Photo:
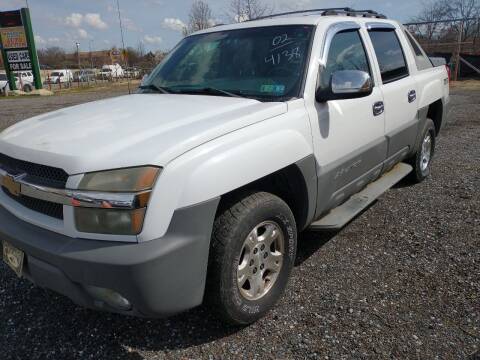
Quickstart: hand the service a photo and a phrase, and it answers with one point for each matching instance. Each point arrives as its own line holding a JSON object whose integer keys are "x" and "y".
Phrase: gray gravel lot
{"x": 401, "y": 281}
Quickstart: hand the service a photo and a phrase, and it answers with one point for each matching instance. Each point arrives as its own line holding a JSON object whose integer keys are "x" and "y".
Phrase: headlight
{"x": 109, "y": 219}
{"x": 121, "y": 180}
{"x": 111, "y": 222}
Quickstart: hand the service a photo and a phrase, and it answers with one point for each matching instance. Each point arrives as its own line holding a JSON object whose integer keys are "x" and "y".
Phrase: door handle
{"x": 412, "y": 96}
{"x": 378, "y": 108}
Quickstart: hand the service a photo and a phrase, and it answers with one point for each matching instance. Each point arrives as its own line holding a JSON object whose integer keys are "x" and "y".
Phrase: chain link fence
{"x": 457, "y": 41}
{"x": 91, "y": 77}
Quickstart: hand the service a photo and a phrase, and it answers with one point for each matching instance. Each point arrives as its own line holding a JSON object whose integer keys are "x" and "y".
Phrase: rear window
{"x": 421, "y": 59}
{"x": 3, "y": 77}
{"x": 391, "y": 58}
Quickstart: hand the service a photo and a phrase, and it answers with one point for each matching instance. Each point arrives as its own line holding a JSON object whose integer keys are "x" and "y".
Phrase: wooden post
{"x": 458, "y": 51}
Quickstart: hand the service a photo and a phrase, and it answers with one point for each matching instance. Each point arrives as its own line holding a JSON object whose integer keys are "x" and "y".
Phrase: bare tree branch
{"x": 432, "y": 11}
{"x": 464, "y": 9}
{"x": 199, "y": 18}
{"x": 243, "y": 10}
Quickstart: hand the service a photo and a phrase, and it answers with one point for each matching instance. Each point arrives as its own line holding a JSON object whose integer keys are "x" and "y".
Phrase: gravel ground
{"x": 401, "y": 281}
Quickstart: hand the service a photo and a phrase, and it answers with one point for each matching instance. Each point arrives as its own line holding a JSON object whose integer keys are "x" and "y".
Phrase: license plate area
{"x": 13, "y": 257}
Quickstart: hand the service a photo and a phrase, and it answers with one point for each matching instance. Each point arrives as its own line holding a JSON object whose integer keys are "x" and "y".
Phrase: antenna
{"x": 123, "y": 42}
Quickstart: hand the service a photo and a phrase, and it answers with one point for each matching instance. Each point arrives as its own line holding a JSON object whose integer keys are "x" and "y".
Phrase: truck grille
{"x": 41, "y": 206}
{"x": 36, "y": 173}
{"x": 39, "y": 175}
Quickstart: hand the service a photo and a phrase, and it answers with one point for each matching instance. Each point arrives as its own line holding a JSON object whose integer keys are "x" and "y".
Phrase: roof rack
{"x": 345, "y": 11}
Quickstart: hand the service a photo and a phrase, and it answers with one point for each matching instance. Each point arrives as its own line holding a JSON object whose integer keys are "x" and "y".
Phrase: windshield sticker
{"x": 273, "y": 89}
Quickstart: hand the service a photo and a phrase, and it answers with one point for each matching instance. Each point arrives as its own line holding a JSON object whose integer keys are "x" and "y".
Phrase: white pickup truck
{"x": 194, "y": 189}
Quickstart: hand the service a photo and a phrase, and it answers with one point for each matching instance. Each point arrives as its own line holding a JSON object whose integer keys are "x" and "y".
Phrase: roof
{"x": 307, "y": 17}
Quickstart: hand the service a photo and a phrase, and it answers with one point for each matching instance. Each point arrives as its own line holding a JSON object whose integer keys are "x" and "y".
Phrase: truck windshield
{"x": 264, "y": 63}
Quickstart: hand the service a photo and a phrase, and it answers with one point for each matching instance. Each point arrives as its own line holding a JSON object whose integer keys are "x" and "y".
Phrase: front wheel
{"x": 252, "y": 254}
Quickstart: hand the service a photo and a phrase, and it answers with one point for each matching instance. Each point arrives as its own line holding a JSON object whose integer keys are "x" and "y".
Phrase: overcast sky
{"x": 156, "y": 23}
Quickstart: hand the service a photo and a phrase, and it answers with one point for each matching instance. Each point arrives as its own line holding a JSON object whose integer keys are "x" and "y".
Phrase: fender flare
{"x": 223, "y": 165}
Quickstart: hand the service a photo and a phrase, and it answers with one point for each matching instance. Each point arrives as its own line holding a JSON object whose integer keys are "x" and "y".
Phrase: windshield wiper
{"x": 210, "y": 90}
{"x": 155, "y": 88}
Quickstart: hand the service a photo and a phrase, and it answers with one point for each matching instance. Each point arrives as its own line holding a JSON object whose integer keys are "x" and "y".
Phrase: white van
{"x": 60, "y": 76}
{"x": 111, "y": 71}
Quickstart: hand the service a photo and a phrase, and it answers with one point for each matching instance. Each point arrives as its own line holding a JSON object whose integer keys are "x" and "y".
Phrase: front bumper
{"x": 159, "y": 277}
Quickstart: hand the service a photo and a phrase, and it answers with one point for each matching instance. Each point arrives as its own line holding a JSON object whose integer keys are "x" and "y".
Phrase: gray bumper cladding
{"x": 159, "y": 277}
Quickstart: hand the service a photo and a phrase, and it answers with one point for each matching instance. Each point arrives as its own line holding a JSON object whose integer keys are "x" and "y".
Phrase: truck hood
{"x": 132, "y": 130}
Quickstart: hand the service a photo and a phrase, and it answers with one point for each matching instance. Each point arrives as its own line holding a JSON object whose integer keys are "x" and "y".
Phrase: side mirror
{"x": 346, "y": 84}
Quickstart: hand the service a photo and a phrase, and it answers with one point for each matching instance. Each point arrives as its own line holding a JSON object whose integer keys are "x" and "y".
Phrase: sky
{"x": 156, "y": 24}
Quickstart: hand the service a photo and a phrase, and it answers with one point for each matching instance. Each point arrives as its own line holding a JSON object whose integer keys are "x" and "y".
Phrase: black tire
{"x": 235, "y": 221}
{"x": 420, "y": 172}
{"x": 27, "y": 88}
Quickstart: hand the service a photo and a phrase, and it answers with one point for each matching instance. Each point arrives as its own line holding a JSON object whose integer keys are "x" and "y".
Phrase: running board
{"x": 343, "y": 214}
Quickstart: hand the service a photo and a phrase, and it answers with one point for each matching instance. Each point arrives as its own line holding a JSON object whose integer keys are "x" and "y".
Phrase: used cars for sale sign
{"x": 19, "y": 60}
{"x": 17, "y": 44}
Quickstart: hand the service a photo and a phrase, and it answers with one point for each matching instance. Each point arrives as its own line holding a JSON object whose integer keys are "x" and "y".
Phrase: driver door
{"x": 349, "y": 141}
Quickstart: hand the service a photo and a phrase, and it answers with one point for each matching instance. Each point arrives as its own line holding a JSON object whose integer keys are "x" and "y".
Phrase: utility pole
{"x": 90, "y": 52}
{"x": 78, "y": 54}
{"x": 123, "y": 42}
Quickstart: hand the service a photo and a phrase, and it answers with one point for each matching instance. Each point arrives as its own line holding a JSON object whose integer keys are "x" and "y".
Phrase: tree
{"x": 141, "y": 48}
{"x": 464, "y": 9}
{"x": 432, "y": 11}
{"x": 53, "y": 56}
{"x": 448, "y": 10}
{"x": 199, "y": 18}
{"x": 132, "y": 55}
{"x": 243, "y": 10}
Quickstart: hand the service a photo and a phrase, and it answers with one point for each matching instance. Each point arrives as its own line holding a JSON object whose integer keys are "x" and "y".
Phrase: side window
{"x": 391, "y": 58}
{"x": 421, "y": 59}
{"x": 346, "y": 53}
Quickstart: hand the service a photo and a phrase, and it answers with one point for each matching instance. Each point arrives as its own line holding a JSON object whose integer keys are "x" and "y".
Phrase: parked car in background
{"x": 23, "y": 85}
{"x": 24, "y": 80}
{"x": 60, "y": 77}
{"x": 132, "y": 73}
{"x": 25, "y": 76}
{"x": 3, "y": 82}
{"x": 111, "y": 72}
{"x": 84, "y": 76}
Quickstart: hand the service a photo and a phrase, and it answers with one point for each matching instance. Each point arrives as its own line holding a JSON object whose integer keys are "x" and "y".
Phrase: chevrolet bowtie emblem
{"x": 11, "y": 183}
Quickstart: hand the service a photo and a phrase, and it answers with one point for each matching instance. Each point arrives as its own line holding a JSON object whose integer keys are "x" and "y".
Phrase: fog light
{"x": 109, "y": 297}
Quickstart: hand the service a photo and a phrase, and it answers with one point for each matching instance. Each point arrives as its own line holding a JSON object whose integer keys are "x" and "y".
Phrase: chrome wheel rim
{"x": 261, "y": 260}
{"x": 426, "y": 152}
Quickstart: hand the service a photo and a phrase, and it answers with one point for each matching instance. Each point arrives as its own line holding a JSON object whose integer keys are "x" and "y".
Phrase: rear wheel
{"x": 422, "y": 159}
{"x": 252, "y": 254}
{"x": 27, "y": 88}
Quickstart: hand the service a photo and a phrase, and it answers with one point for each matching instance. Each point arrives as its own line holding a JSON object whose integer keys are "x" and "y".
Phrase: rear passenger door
{"x": 399, "y": 91}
